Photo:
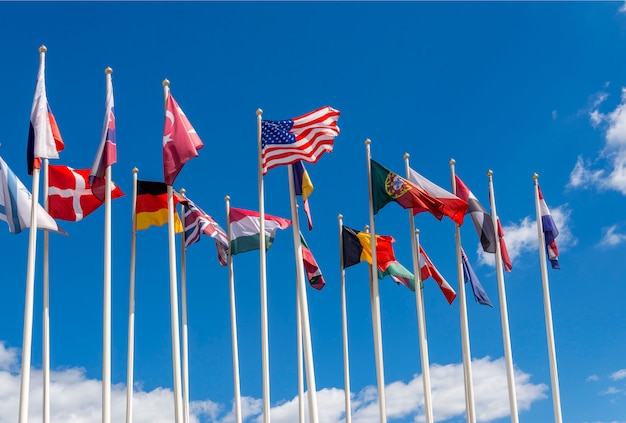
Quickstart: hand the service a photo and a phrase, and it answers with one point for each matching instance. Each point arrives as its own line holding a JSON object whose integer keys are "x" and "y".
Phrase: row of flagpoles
{"x": 280, "y": 143}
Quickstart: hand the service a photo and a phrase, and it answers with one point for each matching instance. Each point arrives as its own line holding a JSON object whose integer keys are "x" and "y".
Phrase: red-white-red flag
{"x": 180, "y": 141}
{"x": 429, "y": 270}
{"x": 69, "y": 194}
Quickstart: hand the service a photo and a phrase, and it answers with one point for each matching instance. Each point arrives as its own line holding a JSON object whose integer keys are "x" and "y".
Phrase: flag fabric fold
{"x": 428, "y": 270}
{"x": 483, "y": 224}
{"x": 453, "y": 206}
{"x": 305, "y": 138}
{"x": 44, "y": 138}
{"x": 480, "y": 295}
{"x": 550, "y": 232}
{"x": 15, "y": 204}
{"x": 388, "y": 186}
{"x": 245, "y": 229}
{"x": 197, "y": 222}
{"x": 313, "y": 272}
{"x": 69, "y": 193}
{"x": 180, "y": 141}
{"x": 107, "y": 150}
{"x": 304, "y": 188}
{"x": 151, "y": 206}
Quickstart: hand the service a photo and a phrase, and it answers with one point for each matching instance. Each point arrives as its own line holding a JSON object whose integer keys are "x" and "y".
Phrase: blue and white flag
{"x": 550, "y": 232}
{"x": 479, "y": 292}
{"x": 15, "y": 204}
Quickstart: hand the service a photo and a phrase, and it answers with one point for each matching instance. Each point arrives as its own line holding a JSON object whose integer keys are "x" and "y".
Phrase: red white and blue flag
{"x": 44, "y": 138}
{"x": 198, "y": 222}
{"x": 550, "y": 232}
{"x": 303, "y": 138}
{"x": 107, "y": 150}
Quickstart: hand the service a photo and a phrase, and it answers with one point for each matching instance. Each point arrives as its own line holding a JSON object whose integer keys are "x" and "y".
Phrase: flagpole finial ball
{"x": 417, "y": 232}
{"x": 489, "y": 172}
{"x": 166, "y": 82}
{"x": 183, "y": 191}
{"x": 108, "y": 71}
{"x": 135, "y": 170}
{"x": 227, "y": 198}
{"x": 259, "y": 111}
{"x": 535, "y": 176}
{"x": 340, "y": 216}
{"x": 452, "y": 161}
{"x": 43, "y": 49}
{"x": 406, "y": 156}
{"x": 366, "y": 228}
{"x": 368, "y": 141}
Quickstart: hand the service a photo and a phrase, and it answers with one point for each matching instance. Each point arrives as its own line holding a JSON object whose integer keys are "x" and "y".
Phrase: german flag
{"x": 152, "y": 205}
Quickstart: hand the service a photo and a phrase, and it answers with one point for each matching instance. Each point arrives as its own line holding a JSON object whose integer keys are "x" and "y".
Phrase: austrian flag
{"x": 69, "y": 193}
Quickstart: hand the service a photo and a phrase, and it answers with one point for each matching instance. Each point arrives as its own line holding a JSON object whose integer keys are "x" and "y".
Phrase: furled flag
{"x": 428, "y": 269}
{"x": 479, "y": 292}
{"x": 313, "y": 272}
{"x": 304, "y": 187}
{"x": 388, "y": 186}
{"x": 304, "y": 138}
{"x": 15, "y": 204}
{"x": 151, "y": 206}
{"x": 550, "y": 232}
{"x": 453, "y": 206}
{"x": 483, "y": 224}
{"x": 245, "y": 229}
{"x": 180, "y": 141}
{"x": 44, "y": 138}
{"x": 69, "y": 194}
{"x": 198, "y": 222}
{"x": 107, "y": 150}
{"x": 357, "y": 247}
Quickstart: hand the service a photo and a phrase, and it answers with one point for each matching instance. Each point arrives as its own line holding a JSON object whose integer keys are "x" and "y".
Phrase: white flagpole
{"x": 504, "y": 314}
{"x": 265, "y": 359}
{"x": 46, "y": 305}
{"x": 233, "y": 319}
{"x": 303, "y": 305}
{"x": 130, "y": 361}
{"x": 421, "y": 316}
{"x": 106, "y": 324}
{"x": 344, "y": 326}
{"x": 178, "y": 400}
{"x": 547, "y": 308}
{"x": 465, "y": 343}
{"x": 301, "y": 418}
{"x": 375, "y": 300}
{"x": 185, "y": 338}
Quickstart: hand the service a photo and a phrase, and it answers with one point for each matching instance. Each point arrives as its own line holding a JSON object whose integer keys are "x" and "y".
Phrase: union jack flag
{"x": 198, "y": 222}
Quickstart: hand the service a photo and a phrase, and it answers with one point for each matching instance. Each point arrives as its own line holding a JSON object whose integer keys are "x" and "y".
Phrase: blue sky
{"x": 516, "y": 87}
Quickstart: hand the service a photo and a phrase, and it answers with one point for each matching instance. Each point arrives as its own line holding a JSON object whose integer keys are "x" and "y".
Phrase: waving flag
{"x": 245, "y": 229}
{"x": 313, "y": 272}
{"x": 304, "y": 138}
{"x": 180, "y": 141}
{"x": 483, "y": 224}
{"x": 69, "y": 193}
{"x": 107, "y": 150}
{"x": 198, "y": 222}
{"x": 468, "y": 273}
{"x": 304, "y": 188}
{"x": 550, "y": 232}
{"x": 428, "y": 270}
{"x": 152, "y": 205}
{"x": 44, "y": 138}
{"x": 453, "y": 206}
{"x": 15, "y": 204}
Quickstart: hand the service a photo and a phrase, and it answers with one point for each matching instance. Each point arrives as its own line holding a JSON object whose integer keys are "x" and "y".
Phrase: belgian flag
{"x": 152, "y": 205}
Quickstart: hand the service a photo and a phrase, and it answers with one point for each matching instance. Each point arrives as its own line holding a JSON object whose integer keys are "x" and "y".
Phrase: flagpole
{"x": 46, "y": 305}
{"x": 106, "y": 331}
{"x": 504, "y": 315}
{"x": 344, "y": 326}
{"x": 375, "y": 300}
{"x": 265, "y": 359}
{"x": 547, "y": 308}
{"x": 465, "y": 343}
{"x": 421, "y": 317}
{"x": 303, "y": 305}
{"x": 178, "y": 401}
{"x": 185, "y": 339}
{"x": 27, "y": 336}
{"x": 301, "y": 418}
{"x": 233, "y": 319}
{"x": 130, "y": 361}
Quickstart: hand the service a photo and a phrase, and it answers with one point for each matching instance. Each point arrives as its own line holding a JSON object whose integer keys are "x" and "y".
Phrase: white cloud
{"x": 522, "y": 237}
{"x": 610, "y": 391}
{"x": 77, "y": 399}
{"x": 592, "y": 378}
{"x": 622, "y": 9}
{"x": 555, "y": 114}
{"x": 610, "y": 239}
{"x": 620, "y": 374}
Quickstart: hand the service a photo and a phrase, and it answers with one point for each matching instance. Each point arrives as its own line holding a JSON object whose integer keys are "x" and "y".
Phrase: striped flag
{"x": 428, "y": 270}
{"x": 151, "y": 205}
{"x": 313, "y": 272}
{"x": 198, "y": 222}
{"x": 469, "y": 275}
{"x": 453, "y": 206}
{"x": 304, "y": 188}
{"x": 550, "y": 232}
{"x": 303, "y": 138}
{"x": 245, "y": 229}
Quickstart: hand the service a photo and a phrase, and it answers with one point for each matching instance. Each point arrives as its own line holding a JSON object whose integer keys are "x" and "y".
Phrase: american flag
{"x": 303, "y": 138}
{"x": 198, "y": 222}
